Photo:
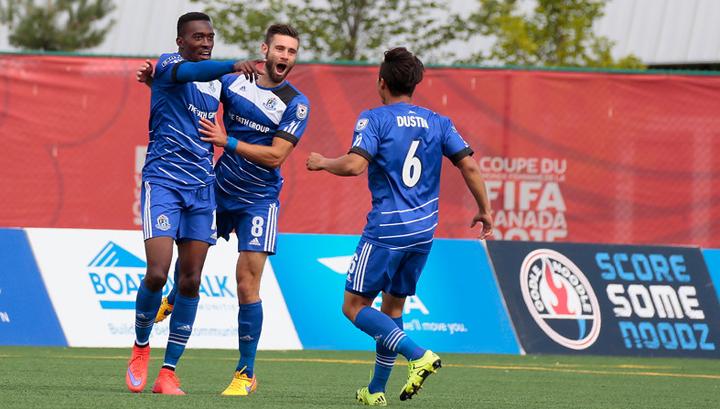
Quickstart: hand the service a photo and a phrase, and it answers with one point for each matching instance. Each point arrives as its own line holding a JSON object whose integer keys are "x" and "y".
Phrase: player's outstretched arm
{"x": 350, "y": 164}
{"x": 208, "y": 70}
{"x": 203, "y": 70}
{"x": 269, "y": 156}
{"x": 476, "y": 184}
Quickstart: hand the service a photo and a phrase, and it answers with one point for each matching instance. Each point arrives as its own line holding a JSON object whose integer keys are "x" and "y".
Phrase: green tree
{"x": 555, "y": 33}
{"x": 339, "y": 29}
{"x": 56, "y": 25}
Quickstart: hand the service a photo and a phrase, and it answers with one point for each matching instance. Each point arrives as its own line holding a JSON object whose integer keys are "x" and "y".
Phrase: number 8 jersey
{"x": 405, "y": 145}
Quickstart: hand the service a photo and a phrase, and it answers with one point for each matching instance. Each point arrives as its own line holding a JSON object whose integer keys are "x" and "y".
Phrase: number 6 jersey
{"x": 405, "y": 145}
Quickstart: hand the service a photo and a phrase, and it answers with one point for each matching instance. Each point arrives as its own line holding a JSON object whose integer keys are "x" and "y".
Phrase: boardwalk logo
{"x": 115, "y": 275}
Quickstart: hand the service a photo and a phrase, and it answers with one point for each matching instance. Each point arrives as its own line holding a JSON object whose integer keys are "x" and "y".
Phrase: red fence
{"x": 588, "y": 157}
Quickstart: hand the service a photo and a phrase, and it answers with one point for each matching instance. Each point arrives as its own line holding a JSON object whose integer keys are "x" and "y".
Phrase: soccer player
{"x": 178, "y": 199}
{"x": 401, "y": 145}
{"x": 264, "y": 120}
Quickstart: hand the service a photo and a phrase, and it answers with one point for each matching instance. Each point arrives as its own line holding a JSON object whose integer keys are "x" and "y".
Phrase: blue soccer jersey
{"x": 405, "y": 145}
{"x": 256, "y": 115}
{"x": 176, "y": 156}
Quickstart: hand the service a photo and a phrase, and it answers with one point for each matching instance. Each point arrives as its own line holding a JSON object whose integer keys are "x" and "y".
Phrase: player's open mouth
{"x": 280, "y": 68}
{"x": 205, "y": 54}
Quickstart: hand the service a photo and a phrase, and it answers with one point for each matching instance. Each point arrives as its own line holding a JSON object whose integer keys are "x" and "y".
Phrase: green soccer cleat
{"x": 165, "y": 310}
{"x": 418, "y": 370}
{"x": 364, "y": 396}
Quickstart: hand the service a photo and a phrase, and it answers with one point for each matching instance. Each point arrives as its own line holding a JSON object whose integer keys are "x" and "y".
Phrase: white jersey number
{"x": 412, "y": 168}
{"x": 257, "y": 226}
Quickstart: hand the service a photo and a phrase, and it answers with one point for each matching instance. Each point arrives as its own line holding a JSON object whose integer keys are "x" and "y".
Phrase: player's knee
{"x": 247, "y": 291}
{"x": 190, "y": 284}
{"x": 155, "y": 279}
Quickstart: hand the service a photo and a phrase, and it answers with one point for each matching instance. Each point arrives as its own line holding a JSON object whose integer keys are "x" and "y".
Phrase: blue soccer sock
{"x": 173, "y": 291}
{"x": 250, "y": 318}
{"x": 181, "y": 323}
{"x": 383, "y": 329}
{"x": 384, "y": 361}
{"x": 147, "y": 304}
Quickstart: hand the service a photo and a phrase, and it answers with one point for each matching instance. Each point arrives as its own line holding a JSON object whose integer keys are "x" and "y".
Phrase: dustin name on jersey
{"x": 412, "y": 121}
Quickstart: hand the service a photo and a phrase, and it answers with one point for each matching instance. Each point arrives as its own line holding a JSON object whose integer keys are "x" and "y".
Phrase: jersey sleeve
{"x": 366, "y": 136}
{"x": 294, "y": 120}
{"x": 164, "y": 68}
{"x": 454, "y": 146}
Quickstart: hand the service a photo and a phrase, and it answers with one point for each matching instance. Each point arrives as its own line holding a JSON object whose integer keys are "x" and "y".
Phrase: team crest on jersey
{"x": 302, "y": 111}
{"x": 271, "y": 104}
{"x": 361, "y": 124}
{"x": 163, "y": 223}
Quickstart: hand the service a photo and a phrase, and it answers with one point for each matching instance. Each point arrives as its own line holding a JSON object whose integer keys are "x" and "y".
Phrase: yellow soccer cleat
{"x": 165, "y": 310}
{"x": 364, "y": 396}
{"x": 241, "y": 385}
{"x": 418, "y": 370}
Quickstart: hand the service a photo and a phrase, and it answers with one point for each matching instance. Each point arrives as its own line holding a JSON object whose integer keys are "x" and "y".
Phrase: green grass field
{"x": 94, "y": 378}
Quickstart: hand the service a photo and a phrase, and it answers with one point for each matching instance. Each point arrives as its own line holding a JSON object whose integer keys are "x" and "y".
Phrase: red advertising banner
{"x": 568, "y": 156}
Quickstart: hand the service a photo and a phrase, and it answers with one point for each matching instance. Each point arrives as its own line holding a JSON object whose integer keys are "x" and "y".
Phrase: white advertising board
{"x": 92, "y": 277}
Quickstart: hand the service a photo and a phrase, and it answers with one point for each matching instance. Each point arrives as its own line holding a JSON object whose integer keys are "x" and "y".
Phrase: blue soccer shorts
{"x": 254, "y": 224}
{"x": 182, "y": 214}
{"x": 374, "y": 269}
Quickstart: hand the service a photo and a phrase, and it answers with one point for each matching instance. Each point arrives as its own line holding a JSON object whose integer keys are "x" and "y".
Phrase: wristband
{"x": 232, "y": 144}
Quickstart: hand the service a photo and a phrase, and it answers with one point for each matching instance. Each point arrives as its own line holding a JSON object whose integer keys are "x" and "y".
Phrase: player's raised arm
{"x": 208, "y": 70}
{"x": 476, "y": 184}
{"x": 202, "y": 70}
{"x": 350, "y": 164}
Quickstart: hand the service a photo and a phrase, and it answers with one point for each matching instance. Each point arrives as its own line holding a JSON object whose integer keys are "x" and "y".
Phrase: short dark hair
{"x": 401, "y": 70}
{"x": 188, "y": 17}
{"x": 282, "y": 29}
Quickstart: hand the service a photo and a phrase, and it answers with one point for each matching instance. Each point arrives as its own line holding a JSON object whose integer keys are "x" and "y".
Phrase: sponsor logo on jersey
{"x": 254, "y": 242}
{"x": 172, "y": 60}
{"x": 163, "y": 223}
{"x": 301, "y": 112}
{"x": 200, "y": 113}
{"x": 250, "y": 124}
{"x": 560, "y": 299}
{"x": 271, "y": 104}
{"x": 361, "y": 124}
